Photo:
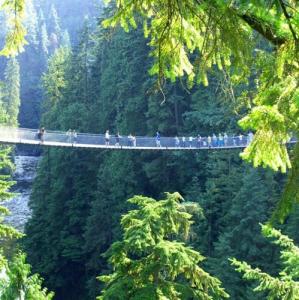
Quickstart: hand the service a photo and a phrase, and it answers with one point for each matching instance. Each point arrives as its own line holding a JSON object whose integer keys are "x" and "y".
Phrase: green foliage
{"x": 19, "y": 284}
{"x": 54, "y": 82}
{"x": 106, "y": 86}
{"x": 240, "y": 235}
{"x": 178, "y": 29}
{"x": 15, "y": 38}
{"x": 31, "y": 23}
{"x": 189, "y": 38}
{"x": 286, "y": 285}
{"x": 149, "y": 263}
{"x": 11, "y": 98}
{"x": 54, "y": 29}
{"x": 5, "y": 184}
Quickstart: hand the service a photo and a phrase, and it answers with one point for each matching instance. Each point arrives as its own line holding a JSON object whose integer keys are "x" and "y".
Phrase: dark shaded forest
{"x": 76, "y": 74}
{"x": 79, "y": 195}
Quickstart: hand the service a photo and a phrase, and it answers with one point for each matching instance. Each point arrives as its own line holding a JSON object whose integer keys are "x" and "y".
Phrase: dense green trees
{"x": 20, "y": 284}
{"x": 11, "y": 99}
{"x": 102, "y": 84}
{"x": 15, "y": 35}
{"x": 178, "y": 30}
{"x": 16, "y": 282}
{"x": 151, "y": 262}
{"x": 286, "y": 285}
{"x": 240, "y": 233}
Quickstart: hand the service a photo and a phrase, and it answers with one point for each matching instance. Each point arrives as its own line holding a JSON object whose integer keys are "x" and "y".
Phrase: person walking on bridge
{"x": 220, "y": 140}
{"x": 134, "y": 141}
{"x": 184, "y": 141}
{"x": 199, "y": 141}
{"x": 69, "y": 135}
{"x": 177, "y": 141}
{"x": 107, "y": 138}
{"x": 158, "y": 139}
{"x": 75, "y": 136}
{"x": 130, "y": 140}
{"x": 209, "y": 141}
{"x": 40, "y": 134}
{"x": 117, "y": 139}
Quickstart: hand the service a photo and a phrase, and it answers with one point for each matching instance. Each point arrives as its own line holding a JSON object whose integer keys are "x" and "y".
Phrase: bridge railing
{"x": 84, "y": 139}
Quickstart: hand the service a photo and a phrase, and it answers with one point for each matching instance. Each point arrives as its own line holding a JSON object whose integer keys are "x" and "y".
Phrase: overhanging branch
{"x": 263, "y": 29}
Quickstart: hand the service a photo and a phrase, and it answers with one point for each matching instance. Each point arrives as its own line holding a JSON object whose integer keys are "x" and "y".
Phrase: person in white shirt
{"x": 107, "y": 138}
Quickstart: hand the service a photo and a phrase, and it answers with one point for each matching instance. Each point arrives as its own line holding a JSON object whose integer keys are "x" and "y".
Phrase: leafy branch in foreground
{"x": 20, "y": 284}
{"x": 149, "y": 263}
{"x": 15, "y": 37}
{"x": 189, "y": 38}
{"x": 286, "y": 286}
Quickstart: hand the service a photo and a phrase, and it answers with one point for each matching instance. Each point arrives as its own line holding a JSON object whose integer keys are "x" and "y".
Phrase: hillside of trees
{"x": 49, "y": 24}
{"x": 84, "y": 238}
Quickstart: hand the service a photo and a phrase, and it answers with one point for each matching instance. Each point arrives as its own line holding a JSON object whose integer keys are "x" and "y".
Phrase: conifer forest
{"x": 204, "y": 219}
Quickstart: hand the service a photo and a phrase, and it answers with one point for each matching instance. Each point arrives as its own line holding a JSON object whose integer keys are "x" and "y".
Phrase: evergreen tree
{"x": 223, "y": 181}
{"x": 31, "y": 23}
{"x": 149, "y": 263}
{"x": 54, "y": 83}
{"x": 240, "y": 236}
{"x": 103, "y": 84}
{"x": 16, "y": 280}
{"x": 286, "y": 285}
{"x": 12, "y": 91}
{"x": 103, "y": 223}
{"x": 6, "y": 231}
{"x": 65, "y": 39}
{"x": 191, "y": 28}
{"x": 58, "y": 254}
{"x": 54, "y": 28}
{"x": 20, "y": 284}
{"x": 292, "y": 225}
{"x": 43, "y": 38}
{"x": 15, "y": 31}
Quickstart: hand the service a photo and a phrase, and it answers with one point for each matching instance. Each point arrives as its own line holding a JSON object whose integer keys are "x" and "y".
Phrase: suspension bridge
{"x": 86, "y": 140}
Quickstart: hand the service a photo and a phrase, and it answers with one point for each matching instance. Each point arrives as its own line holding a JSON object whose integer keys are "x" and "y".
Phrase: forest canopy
{"x": 253, "y": 42}
{"x": 95, "y": 83}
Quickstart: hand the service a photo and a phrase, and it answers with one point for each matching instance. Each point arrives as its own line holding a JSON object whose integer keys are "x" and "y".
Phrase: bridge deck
{"x": 83, "y": 140}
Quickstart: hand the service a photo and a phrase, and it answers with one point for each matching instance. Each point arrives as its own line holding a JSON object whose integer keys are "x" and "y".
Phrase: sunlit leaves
{"x": 15, "y": 38}
{"x": 268, "y": 147}
{"x": 177, "y": 29}
{"x": 54, "y": 79}
{"x": 20, "y": 284}
{"x": 189, "y": 38}
{"x": 150, "y": 264}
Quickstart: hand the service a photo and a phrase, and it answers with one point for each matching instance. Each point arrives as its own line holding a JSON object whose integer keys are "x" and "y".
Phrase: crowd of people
{"x": 214, "y": 141}
{"x": 211, "y": 141}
